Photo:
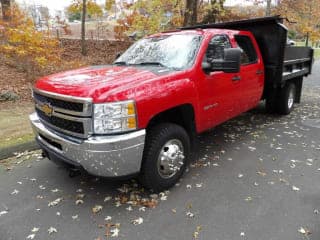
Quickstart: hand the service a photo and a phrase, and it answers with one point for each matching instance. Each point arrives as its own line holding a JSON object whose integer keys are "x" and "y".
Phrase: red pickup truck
{"x": 140, "y": 115}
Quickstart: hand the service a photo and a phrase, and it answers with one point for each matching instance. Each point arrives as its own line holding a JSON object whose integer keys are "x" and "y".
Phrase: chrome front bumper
{"x": 106, "y": 156}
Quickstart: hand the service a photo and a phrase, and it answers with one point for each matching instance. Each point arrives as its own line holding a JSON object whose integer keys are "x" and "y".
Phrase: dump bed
{"x": 282, "y": 62}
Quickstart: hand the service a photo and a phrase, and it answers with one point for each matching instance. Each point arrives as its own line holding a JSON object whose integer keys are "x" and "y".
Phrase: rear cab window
{"x": 249, "y": 54}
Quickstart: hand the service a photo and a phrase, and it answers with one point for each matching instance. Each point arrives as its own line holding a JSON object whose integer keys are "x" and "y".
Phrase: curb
{"x": 9, "y": 151}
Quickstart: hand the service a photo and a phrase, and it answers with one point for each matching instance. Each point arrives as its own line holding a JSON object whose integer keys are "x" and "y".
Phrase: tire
{"x": 163, "y": 140}
{"x": 287, "y": 99}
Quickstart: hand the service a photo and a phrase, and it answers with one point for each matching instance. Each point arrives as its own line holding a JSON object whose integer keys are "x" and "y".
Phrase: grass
{"x": 316, "y": 50}
{"x": 15, "y": 127}
{"x": 317, "y": 53}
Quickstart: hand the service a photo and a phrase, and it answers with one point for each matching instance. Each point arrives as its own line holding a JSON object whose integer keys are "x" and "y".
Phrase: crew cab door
{"x": 251, "y": 72}
{"x": 218, "y": 90}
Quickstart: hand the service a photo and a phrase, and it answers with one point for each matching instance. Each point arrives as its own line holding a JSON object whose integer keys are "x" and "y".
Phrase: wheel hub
{"x": 171, "y": 158}
{"x": 290, "y": 99}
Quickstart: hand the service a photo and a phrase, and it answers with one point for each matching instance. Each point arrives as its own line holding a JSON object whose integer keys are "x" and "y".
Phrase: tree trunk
{"x": 190, "y": 14}
{"x": 5, "y": 5}
{"x": 268, "y": 10}
{"x": 213, "y": 12}
{"x": 83, "y": 28}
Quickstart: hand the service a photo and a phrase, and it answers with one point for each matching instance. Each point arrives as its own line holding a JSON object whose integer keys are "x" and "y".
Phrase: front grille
{"x": 64, "y": 124}
{"x": 71, "y": 106}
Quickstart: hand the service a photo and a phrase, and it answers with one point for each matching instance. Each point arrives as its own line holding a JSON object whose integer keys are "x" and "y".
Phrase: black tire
{"x": 287, "y": 99}
{"x": 152, "y": 175}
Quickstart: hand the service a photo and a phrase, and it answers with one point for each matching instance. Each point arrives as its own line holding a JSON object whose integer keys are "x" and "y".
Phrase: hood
{"x": 97, "y": 80}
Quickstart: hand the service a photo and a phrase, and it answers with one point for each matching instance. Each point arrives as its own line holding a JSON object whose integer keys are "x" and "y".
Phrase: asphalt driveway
{"x": 257, "y": 178}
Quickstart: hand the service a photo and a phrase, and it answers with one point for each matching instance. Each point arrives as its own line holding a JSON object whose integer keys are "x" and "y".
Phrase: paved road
{"x": 257, "y": 178}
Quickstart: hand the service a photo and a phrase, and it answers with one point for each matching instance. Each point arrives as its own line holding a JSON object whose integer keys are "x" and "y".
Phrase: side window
{"x": 216, "y": 47}
{"x": 249, "y": 55}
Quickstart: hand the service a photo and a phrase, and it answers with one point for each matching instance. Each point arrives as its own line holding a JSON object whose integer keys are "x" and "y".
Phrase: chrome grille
{"x": 67, "y": 114}
{"x": 72, "y": 106}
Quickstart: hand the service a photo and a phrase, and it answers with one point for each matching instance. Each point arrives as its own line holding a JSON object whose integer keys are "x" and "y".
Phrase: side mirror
{"x": 206, "y": 66}
{"x": 230, "y": 63}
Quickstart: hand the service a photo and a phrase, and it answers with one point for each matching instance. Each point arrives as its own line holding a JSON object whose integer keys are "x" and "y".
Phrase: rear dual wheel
{"x": 165, "y": 157}
{"x": 287, "y": 99}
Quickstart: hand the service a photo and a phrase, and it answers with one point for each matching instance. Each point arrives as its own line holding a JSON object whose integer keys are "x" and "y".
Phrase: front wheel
{"x": 165, "y": 156}
{"x": 287, "y": 99}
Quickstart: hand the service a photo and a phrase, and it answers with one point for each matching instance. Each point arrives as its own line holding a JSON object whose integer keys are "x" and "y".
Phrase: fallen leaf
{"x": 137, "y": 221}
{"x": 163, "y": 197}
{"x": 304, "y": 231}
{"x": 108, "y": 198}
{"x": 248, "y": 199}
{"x": 294, "y": 188}
{"x": 55, "y": 202}
{"x": 190, "y": 214}
{"x": 79, "y": 201}
{"x": 97, "y": 209}
{"x": 35, "y": 230}
{"x": 52, "y": 230}
{"x": 3, "y": 213}
{"x": 114, "y": 232}
{"x": 129, "y": 208}
{"x": 15, "y": 192}
{"x": 263, "y": 174}
{"x": 142, "y": 209}
{"x": 197, "y": 232}
{"x": 31, "y": 236}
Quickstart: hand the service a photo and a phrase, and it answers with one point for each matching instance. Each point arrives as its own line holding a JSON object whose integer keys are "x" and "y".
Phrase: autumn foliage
{"x": 147, "y": 17}
{"x": 303, "y": 16}
{"x": 24, "y": 47}
{"x": 93, "y": 9}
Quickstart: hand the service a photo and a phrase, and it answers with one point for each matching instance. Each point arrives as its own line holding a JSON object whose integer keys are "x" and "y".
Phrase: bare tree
{"x": 83, "y": 28}
{"x": 191, "y": 13}
{"x": 5, "y": 5}
{"x": 268, "y": 10}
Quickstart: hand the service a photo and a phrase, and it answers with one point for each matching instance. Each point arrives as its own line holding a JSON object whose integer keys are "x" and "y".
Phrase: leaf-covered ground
{"x": 256, "y": 177}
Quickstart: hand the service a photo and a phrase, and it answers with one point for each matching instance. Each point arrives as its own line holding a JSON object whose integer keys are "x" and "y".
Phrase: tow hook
{"x": 73, "y": 172}
{"x": 44, "y": 154}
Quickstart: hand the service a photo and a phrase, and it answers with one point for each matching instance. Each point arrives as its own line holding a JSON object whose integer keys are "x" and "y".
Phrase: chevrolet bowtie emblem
{"x": 47, "y": 109}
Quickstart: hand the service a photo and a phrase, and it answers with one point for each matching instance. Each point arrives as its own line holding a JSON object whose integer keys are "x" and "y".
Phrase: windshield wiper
{"x": 152, "y": 63}
{"x": 121, "y": 63}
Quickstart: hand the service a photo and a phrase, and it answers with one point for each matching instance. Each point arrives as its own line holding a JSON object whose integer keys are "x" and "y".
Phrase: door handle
{"x": 259, "y": 72}
{"x": 236, "y": 78}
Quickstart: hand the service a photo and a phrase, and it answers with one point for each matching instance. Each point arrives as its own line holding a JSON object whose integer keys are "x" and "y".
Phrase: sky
{"x": 54, "y": 5}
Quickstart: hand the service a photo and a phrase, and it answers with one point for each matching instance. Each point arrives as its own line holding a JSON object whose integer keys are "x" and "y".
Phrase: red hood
{"x": 94, "y": 81}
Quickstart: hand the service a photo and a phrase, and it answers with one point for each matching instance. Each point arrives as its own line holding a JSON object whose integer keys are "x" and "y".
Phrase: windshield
{"x": 172, "y": 51}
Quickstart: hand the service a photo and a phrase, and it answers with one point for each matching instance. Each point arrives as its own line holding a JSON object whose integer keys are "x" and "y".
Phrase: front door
{"x": 219, "y": 90}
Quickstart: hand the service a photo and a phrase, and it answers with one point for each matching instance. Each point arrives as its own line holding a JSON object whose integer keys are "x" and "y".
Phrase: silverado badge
{"x": 47, "y": 109}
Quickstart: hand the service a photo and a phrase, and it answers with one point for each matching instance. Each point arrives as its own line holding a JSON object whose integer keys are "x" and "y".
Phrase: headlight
{"x": 114, "y": 117}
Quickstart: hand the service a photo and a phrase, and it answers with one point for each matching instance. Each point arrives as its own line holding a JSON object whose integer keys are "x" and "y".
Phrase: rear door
{"x": 251, "y": 72}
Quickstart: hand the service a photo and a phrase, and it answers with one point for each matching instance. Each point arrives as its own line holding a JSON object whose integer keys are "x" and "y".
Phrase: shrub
{"x": 22, "y": 46}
